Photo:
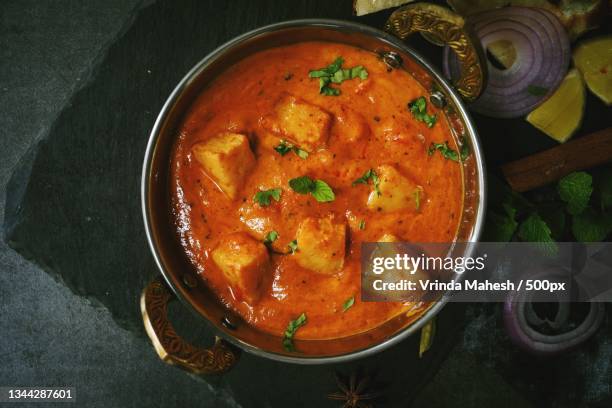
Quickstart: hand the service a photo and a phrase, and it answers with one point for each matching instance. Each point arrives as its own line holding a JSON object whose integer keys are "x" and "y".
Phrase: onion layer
{"x": 546, "y": 336}
{"x": 542, "y": 59}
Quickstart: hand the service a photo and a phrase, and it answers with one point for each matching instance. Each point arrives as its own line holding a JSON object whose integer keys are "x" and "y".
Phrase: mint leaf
{"x": 348, "y": 304}
{"x": 292, "y": 327}
{"x": 302, "y": 185}
{"x": 534, "y": 229}
{"x": 500, "y": 226}
{"x": 575, "y": 189}
{"x": 263, "y": 197}
{"x": 418, "y": 108}
{"x": 323, "y": 192}
{"x": 589, "y": 226}
{"x": 320, "y": 190}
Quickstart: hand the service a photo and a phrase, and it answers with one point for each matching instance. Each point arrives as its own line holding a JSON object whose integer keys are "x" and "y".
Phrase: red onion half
{"x": 571, "y": 325}
{"x": 542, "y": 59}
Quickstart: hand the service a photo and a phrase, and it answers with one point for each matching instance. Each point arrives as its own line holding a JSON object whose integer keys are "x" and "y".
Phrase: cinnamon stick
{"x": 550, "y": 165}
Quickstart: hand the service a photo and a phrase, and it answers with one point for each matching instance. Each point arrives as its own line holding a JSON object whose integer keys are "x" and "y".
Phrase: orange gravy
{"x": 236, "y": 101}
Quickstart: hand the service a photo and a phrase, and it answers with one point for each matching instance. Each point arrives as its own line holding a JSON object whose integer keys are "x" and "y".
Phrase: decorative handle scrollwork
{"x": 449, "y": 28}
{"x": 173, "y": 349}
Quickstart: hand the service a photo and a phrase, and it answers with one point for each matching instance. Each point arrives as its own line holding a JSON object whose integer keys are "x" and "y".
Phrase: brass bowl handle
{"x": 170, "y": 347}
{"x": 445, "y": 27}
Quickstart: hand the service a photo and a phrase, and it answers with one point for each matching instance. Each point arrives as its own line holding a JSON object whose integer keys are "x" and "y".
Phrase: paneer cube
{"x": 227, "y": 159}
{"x": 396, "y": 192}
{"x": 321, "y": 245}
{"x": 244, "y": 262}
{"x": 302, "y": 123}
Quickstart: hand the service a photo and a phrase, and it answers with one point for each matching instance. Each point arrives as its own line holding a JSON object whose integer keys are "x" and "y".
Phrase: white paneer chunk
{"x": 244, "y": 262}
{"x": 227, "y": 159}
{"x": 304, "y": 124}
{"x": 396, "y": 192}
{"x": 321, "y": 245}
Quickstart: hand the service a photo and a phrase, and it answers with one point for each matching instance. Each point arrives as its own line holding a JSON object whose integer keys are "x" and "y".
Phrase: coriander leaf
{"x": 348, "y": 303}
{"x": 293, "y": 246}
{"x": 302, "y": 154}
{"x": 369, "y": 175}
{"x": 329, "y": 91}
{"x": 334, "y": 73}
{"x": 537, "y": 90}
{"x": 335, "y": 66}
{"x": 534, "y": 229}
{"x": 270, "y": 237}
{"x": 589, "y": 226}
{"x": 302, "y": 185}
{"x": 444, "y": 149}
{"x": 292, "y": 327}
{"x": 283, "y": 148}
{"x": 362, "y": 224}
{"x": 359, "y": 72}
{"x": 575, "y": 189}
{"x": 418, "y": 108}
{"x": 263, "y": 197}
{"x": 322, "y": 192}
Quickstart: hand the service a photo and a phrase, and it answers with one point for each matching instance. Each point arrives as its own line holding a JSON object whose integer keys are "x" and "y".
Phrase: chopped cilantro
{"x": 369, "y": 175}
{"x": 263, "y": 197}
{"x": 292, "y": 327}
{"x": 285, "y": 147}
{"x": 418, "y": 107}
{"x": 293, "y": 246}
{"x": 444, "y": 149}
{"x": 270, "y": 237}
{"x": 448, "y": 153}
{"x": 348, "y": 303}
{"x": 334, "y": 73}
{"x": 575, "y": 189}
{"x": 320, "y": 190}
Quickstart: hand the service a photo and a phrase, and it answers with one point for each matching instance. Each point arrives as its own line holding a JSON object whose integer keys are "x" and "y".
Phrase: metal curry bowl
{"x": 179, "y": 276}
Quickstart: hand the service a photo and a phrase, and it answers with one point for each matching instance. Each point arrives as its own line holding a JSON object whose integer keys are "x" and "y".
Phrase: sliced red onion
{"x": 543, "y": 336}
{"x": 542, "y": 59}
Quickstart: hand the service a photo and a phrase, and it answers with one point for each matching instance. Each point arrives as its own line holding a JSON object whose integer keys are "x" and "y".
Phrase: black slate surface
{"x": 73, "y": 207}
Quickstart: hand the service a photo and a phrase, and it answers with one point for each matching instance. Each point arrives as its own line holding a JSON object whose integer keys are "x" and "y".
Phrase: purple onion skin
{"x": 543, "y": 56}
{"x": 543, "y": 345}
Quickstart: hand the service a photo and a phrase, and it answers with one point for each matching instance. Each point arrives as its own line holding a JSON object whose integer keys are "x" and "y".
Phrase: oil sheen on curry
{"x": 288, "y": 161}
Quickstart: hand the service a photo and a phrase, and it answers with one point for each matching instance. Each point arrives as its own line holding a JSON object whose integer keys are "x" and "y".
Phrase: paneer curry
{"x": 288, "y": 161}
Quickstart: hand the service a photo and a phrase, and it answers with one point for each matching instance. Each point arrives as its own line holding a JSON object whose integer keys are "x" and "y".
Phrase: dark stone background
{"x": 87, "y": 78}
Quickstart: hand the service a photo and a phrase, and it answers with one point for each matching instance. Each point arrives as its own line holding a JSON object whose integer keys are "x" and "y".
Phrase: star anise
{"x": 356, "y": 391}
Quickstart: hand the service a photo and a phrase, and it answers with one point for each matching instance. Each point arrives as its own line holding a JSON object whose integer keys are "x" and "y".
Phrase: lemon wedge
{"x": 561, "y": 114}
{"x": 594, "y": 60}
